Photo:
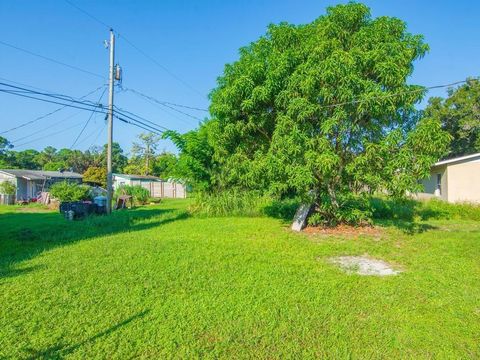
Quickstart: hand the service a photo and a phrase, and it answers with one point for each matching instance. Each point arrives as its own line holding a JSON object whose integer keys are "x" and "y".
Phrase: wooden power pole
{"x": 111, "y": 80}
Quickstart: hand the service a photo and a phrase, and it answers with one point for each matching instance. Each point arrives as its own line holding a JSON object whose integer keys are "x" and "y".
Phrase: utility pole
{"x": 111, "y": 80}
{"x": 147, "y": 165}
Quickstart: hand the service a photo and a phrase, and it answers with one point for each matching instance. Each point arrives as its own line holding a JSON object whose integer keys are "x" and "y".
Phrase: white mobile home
{"x": 30, "y": 182}
{"x": 157, "y": 187}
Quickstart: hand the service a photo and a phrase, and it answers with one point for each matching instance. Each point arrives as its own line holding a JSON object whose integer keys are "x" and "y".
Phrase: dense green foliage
{"x": 97, "y": 175}
{"x": 69, "y": 191}
{"x": 459, "y": 115}
{"x": 223, "y": 288}
{"x": 7, "y": 188}
{"x": 321, "y": 110}
{"x": 140, "y": 194}
{"x": 230, "y": 203}
{"x": 196, "y": 164}
{"x": 408, "y": 210}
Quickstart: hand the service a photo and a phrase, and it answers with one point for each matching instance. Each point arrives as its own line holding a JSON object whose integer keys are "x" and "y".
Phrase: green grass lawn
{"x": 156, "y": 283}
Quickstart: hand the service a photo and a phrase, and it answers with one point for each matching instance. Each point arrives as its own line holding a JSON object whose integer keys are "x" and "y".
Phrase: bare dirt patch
{"x": 344, "y": 230}
{"x": 364, "y": 265}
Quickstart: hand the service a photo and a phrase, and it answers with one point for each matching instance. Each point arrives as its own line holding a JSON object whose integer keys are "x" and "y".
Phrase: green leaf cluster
{"x": 459, "y": 115}
{"x": 7, "y": 188}
{"x": 67, "y": 191}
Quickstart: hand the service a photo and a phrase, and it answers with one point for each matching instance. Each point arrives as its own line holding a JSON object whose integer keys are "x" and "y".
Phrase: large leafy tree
{"x": 310, "y": 107}
{"x": 5, "y": 146}
{"x": 119, "y": 160}
{"x": 196, "y": 165}
{"x": 459, "y": 115}
{"x": 164, "y": 165}
{"x": 25, "y": 159}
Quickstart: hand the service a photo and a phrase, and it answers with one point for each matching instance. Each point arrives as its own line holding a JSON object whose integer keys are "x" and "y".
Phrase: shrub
{"x": 230, "y": 203}
{"x": 353, "y": 210}
{"x": 140, "y": 194}
{"x": 393, "y": 209}
{"x": 408, "y": 210}
{"x": 97, "y": 175}
{"x": 65, "y": 191}
{"x": 7, "y": 188}
{"x": 282, "y": 208}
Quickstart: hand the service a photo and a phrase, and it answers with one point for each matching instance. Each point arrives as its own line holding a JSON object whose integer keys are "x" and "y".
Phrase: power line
{"x": 49, "y": 135}
{"x": 48, "y": 114}
{"x": 164, "y": 102}
{"x": 23, "y": 84}
{"x": 99, "y": 133}
{"x": 151, "y": 99}
{"x": 151, "y": 58}
{"x": 122, "y": 112}
{"x": 51, "y": 60}
{"x": 156, "y": 132}
{"x": 49, "y": 101}
{"x": 88, "y": 14}
{"x": 56, "y": 96}
{"x": 88, "y": 121}
{"x": 166, "y": 111}
{"x": 154, "y": 127}
{"x": 45, "y": 128}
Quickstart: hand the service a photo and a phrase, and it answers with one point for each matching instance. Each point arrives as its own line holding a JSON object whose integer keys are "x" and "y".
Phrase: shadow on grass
{"x": 60, "y": 351}
{"x": 24, "y": 235}
{"x": 282, "y": 209}
{"x": 408, "y": 227}
{"x": 404, "y": 214}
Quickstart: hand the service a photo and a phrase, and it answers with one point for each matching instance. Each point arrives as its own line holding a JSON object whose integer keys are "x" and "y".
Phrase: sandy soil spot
{"x": 364, "y": 265}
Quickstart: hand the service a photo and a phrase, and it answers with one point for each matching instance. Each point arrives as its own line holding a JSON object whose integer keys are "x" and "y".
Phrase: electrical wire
{"x": 88, "y": 14}
{"x": 124, "y": 112}
{"x": 99, "y": 133}
{"x": 48, "y": 114}
{"x": 138, "y": 49}
{"x": 166, "y": 111}
{"x": 88, "y": 120}
{"x": 45, "y": 128}
{"x": 153, "y": 100}
{"x": 164, "y": 102}
{"x": 30, "y": 86}
{"x": 135, "y": 121}
{"x": 22, "y": 90}
{"x": 58, "y": 62}
{"x": 49, "y": 135}
{"x": 156, "y": 132}
{"x": 153, "y": 60}
{"x": 50, "y": 101}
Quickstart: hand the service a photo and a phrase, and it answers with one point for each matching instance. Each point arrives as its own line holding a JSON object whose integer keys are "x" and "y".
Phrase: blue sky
{"x": 193, "y": 40}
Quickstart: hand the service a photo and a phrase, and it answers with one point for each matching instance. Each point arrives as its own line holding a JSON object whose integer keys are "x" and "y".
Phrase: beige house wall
{"x": 464, "y": 182}
{"x": 430, "y": 184}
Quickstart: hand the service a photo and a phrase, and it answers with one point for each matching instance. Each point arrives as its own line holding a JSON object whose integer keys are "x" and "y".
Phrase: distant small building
{"x": 30, "y": 182}
{"x": 454, "y": 180}
{"x": 157, "y": 187}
